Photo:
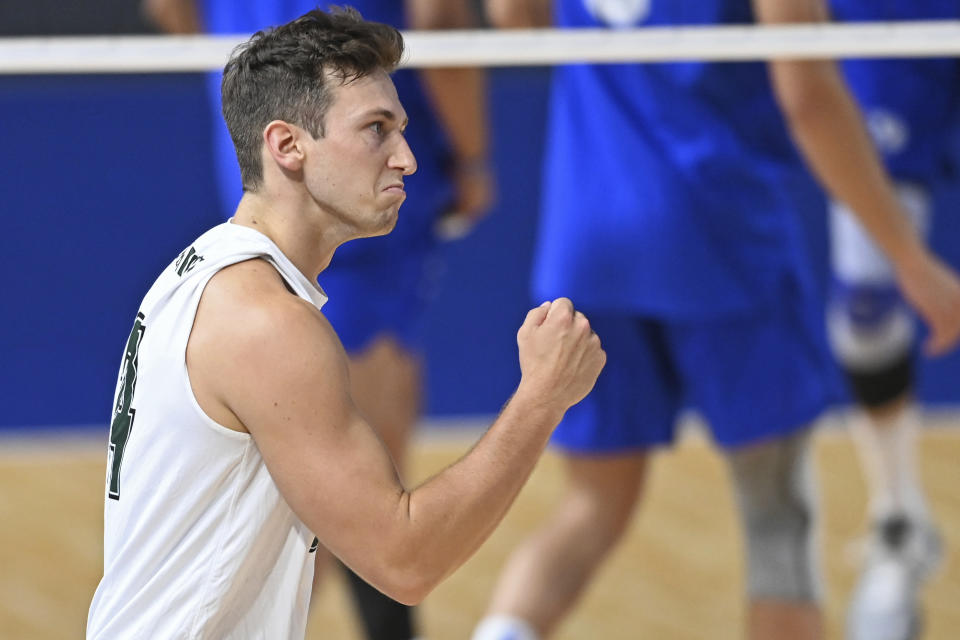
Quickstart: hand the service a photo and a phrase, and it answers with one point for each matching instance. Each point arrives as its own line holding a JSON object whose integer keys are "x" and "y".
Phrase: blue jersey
{"x": 669, "y": 189}
{"x": 909, "y": 103}
{"x": 429, "y": 190}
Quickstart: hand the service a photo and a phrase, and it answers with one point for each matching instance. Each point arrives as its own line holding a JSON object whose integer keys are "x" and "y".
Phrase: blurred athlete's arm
{"x": 459, "y": 98}
{"x": 519, "y": 14}
{"x": 173, "y": 16}
{"x": 827, "y": 126}
{"x": 264, "y": 361}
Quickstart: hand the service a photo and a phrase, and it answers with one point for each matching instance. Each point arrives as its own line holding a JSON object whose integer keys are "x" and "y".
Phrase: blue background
{"x": 104, "y": 179}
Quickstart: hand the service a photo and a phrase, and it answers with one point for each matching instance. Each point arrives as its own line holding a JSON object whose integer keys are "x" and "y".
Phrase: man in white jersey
{"x": 235, "y": 447}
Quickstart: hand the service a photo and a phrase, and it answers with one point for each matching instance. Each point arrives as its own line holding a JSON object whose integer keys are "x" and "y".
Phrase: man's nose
{"x": 403, "y": 158}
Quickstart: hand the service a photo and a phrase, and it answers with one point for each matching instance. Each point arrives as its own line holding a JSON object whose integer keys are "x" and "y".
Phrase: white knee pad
{"x": 869, "y": 328}
{"x": 869, "y": 325}
{"x": 772, "y": 490}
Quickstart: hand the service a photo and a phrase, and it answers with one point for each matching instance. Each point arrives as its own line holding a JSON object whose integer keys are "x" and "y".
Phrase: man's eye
{"x": 377, "y": 127}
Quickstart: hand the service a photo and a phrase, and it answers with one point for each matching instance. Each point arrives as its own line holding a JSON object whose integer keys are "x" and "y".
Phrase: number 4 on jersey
{"x": 123, "y": 412}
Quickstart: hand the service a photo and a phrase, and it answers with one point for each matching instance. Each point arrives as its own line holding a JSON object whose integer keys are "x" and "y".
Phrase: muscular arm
{"x": 277, "y": 370}
{"x": 827, "y": 126}
{"x": 459, "y": 98}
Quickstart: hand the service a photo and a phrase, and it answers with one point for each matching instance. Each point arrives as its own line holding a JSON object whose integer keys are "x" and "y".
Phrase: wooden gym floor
{"x": 677, "y": 576}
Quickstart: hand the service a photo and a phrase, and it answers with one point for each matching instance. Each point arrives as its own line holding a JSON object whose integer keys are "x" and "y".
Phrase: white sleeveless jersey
{"x": 198, "y": 541}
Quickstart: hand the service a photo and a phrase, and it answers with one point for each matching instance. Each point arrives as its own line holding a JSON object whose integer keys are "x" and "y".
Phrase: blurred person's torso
{"x": 670, "y": 188}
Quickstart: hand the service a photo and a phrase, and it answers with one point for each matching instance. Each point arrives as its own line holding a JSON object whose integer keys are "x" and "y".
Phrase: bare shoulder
{"x": 251, "y": 297}
{"x": 253, "y": 338}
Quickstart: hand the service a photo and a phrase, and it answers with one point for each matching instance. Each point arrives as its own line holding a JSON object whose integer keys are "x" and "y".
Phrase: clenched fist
{"x": 560, "y": 355}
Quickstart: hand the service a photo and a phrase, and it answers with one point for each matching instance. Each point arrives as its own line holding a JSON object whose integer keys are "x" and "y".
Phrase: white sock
{"x": 500, "y": 627}
{"x": 888, "y": 453}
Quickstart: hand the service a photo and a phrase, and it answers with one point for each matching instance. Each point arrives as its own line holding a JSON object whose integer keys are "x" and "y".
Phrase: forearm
{"x": 827, "y": 126}
{"x": 458, "y": 95}
{"x": 459, "y": 98}
{"x": 405, "y": 542}
{"x": 448, "y": 517}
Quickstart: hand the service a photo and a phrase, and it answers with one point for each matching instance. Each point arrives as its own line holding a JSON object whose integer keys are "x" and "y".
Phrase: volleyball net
{"x": 493, "y": 48}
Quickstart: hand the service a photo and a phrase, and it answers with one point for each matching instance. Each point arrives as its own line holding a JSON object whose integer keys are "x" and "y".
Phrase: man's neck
{"x": 303, "y": 240}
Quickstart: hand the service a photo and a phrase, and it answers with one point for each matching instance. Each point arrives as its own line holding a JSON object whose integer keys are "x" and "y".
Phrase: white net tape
{"x": 140, "y": 54}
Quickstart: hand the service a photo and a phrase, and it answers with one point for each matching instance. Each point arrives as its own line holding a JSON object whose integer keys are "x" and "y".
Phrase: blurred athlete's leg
{"x": 872, "y": 333}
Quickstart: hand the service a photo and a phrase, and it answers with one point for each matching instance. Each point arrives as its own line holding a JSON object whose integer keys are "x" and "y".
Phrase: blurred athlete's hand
{"x": 475, "y": 191}
{"x": 933, "y": 289}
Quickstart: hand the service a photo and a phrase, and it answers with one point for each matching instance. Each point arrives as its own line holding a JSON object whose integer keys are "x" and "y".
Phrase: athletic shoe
{"x": 901, "y": 554}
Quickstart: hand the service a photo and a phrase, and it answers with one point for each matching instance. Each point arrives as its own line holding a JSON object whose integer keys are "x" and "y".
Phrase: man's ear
{"x": 282, "y": 141}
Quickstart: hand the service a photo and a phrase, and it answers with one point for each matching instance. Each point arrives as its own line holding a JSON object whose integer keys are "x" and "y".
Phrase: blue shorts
{"x": 751, "y": 377}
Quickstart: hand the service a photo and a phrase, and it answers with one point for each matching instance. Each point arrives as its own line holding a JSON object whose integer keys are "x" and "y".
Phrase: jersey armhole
{"x": 188, "y": 385}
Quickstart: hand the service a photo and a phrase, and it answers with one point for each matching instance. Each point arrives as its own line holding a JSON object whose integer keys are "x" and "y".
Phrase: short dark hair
{"x": 281, "y": 74}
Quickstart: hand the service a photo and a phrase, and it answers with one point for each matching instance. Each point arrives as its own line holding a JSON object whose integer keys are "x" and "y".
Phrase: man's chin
{"x": 390, "y": 226}
{"x": 387, "y": 224}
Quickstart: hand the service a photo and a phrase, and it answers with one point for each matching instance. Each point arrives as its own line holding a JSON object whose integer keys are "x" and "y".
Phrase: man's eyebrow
{"x": 383, "y": 113}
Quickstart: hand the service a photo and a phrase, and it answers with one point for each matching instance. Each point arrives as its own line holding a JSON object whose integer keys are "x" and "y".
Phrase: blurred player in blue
{"x": 671, "y": 213}
{"x": 378, "y": 288}
{"x": 911, "y": 107}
